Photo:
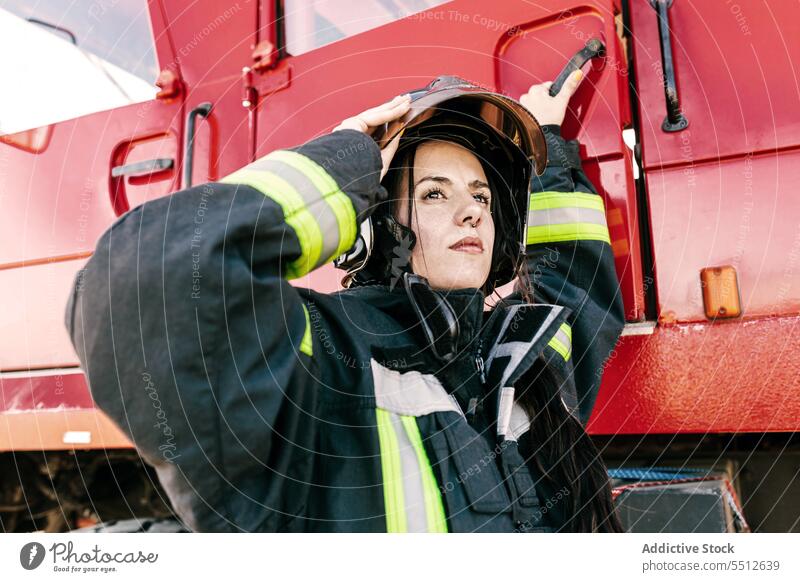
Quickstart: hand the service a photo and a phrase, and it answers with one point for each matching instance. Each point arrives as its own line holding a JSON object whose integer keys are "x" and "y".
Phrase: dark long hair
{"x": 560, "y": 454}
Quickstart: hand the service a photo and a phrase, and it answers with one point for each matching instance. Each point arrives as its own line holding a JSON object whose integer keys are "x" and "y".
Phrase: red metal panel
{"x": 535, "y": 53}
{"x": 33, "y": 333}
{"x": 722, "y": 191}
{"x": 465, "y": 37}
{"x": 51, "y": 411}
{"x": 703, "y": 378}
{"x": 211, "y": 39}
{"x": 735, "y": 213}
{"x": 735, "y": 64}
{"x": 56, "y": 430}
{"x": 613, "y": 178}
{"x": 53, "y": 389}
{"x": 62, "y": 199}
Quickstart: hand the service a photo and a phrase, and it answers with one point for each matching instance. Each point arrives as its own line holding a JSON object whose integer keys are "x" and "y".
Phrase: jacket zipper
{"x": 479, "y": 364}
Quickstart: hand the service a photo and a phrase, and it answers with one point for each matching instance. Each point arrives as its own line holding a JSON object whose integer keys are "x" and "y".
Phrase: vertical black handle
{"x": 203, "y": 110}
{"x": 675, "y": 120}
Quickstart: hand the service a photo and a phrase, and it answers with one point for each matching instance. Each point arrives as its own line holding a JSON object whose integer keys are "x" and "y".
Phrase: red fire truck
{"x": 689, "y": 128}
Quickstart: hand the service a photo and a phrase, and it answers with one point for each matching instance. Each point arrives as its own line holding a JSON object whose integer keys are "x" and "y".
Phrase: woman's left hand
{"x": 551, "y": 110}
{"x": 368, "y": 121}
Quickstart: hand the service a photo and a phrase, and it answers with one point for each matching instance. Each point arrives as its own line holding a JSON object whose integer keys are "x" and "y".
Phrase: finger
{"x": 397, "y": 101}
{"x": 571, "y": 85}
{"x": 539, "y": 88}
{"x": 378, "y": 116}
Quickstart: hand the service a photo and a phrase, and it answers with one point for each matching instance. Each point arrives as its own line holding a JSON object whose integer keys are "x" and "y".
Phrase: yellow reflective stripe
{"x": 434, "y": 509}
{"x": 558, "y": 345}
{"x": 324, "y": 189}
{"x": 567, "y": 232}
{"x": 392, "y": 474}
{"x": 340, "y": 204}
{"x": 295, "y": 213}
{"x": 542, "y": 200}
{"x": 342, "y": 208}
{"x": 305, "y": 345}
{"x": 560, "y": 348}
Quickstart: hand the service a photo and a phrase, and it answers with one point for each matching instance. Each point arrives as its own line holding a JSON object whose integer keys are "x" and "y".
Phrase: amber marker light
{"x": 721, "y": 292}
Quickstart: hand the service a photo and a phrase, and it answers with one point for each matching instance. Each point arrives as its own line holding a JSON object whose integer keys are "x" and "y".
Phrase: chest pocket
{"x": 476, "y": 466}
{"x": 463, "y": 459}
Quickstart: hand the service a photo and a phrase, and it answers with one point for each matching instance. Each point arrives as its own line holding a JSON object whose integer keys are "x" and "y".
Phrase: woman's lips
{"x": 469, "y": 244}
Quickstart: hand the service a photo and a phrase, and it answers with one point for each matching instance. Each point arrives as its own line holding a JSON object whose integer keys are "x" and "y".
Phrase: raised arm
{"x": 569, "y": 256}
{"x": 196, "y": 345}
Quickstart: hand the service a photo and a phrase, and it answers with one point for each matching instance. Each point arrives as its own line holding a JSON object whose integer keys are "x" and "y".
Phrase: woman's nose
{"x": 469, "y": 212}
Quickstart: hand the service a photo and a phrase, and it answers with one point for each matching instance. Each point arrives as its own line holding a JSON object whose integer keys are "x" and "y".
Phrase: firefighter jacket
{"x": 268, "y": 407}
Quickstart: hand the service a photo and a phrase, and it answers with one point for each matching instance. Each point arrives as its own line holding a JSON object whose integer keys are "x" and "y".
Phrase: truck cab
{"x": 688, "y": 128}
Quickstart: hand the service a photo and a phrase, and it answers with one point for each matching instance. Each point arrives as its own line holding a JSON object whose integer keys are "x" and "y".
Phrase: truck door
{"x": 338, "y": 58}
{"x": 86, "y": 136}
{"x": 96, "y": 121}
{"x": 721, "y": 181}
{"x": 719, "y": 130}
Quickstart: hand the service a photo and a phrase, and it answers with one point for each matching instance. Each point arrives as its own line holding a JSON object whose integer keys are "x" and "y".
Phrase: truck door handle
{"x": 594, "y": 48}
{"x": 143, "y": 168}
{"x": 203, "y": 110}
{"x": 675, "y": 120}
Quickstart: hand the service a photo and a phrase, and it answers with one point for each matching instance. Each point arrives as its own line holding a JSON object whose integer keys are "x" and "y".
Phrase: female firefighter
{"x": 396, "y": 404}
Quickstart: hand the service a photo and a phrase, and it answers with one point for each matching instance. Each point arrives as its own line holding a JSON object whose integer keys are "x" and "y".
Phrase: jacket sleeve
{"x": 570, "y": 263}
{"x": 196, "y": 345}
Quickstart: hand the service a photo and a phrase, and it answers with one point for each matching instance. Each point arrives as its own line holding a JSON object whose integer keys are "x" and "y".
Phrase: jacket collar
{"x": 507, "y": 339}
{"x": 466, "y": 304}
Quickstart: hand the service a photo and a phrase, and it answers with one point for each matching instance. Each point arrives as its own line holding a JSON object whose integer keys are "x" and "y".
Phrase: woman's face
{"x": 451, "y": 217}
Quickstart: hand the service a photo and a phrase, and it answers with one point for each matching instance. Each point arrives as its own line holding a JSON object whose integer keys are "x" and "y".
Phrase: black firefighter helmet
{"x": 507, "y": 141}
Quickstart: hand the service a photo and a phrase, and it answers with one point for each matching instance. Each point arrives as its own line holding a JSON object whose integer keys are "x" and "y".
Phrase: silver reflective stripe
{"x": 519, "y": 423}
{"x": 314, "y": 201}
{"x": 504, "y": 411}
{"x": 413, "y": 489}
{"x": 566, "y": 215}
{"x": 411, "y": 493}
{"x": 517, "y": 350}
{"x": 410, "y": 393}
{"x": 564, "y": 338}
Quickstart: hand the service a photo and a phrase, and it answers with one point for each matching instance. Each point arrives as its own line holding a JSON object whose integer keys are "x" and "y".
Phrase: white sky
{"x": 47, "y": 79}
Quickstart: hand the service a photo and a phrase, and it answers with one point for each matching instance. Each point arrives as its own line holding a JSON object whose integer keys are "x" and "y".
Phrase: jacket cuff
{"x": 560, "y": 152}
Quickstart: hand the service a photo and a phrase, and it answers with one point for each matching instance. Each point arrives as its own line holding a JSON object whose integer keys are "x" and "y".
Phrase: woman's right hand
{"x": 368, "y": 121}
{"x": 551, "y": 110}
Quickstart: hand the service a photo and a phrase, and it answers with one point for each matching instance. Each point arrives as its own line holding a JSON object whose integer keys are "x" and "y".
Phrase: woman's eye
{"x": 482, "y": 198}
{"x": 433, "y": 194}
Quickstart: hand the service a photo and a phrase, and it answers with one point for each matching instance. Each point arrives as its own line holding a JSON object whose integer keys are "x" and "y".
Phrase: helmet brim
{"x": 502, "y": 113}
